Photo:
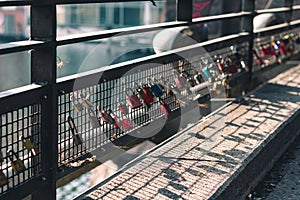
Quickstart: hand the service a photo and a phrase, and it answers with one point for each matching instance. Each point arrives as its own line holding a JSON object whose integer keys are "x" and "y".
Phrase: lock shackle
{"x": 72, "y": 125}
{"x": 11, "y": 154}
{"x": 161, "y": 101}
{"x": 127, "y": 90}
{"x": 136, "y": 85}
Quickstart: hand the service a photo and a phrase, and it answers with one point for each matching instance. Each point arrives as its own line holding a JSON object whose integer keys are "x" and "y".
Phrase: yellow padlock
{"x": 29, "y": 145}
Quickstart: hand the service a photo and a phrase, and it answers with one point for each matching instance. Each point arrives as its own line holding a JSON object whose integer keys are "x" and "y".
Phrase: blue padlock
{"x": 157, "y": 90}
{"x": 206, "y": 72}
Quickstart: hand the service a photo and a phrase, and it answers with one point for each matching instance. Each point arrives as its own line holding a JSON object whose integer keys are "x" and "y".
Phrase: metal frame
{"x": 43, "y": 95}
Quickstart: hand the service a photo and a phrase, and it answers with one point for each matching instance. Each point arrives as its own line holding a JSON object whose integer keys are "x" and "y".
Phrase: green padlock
{"x": 3, "y": 179}
{"x": 16, "y": 164}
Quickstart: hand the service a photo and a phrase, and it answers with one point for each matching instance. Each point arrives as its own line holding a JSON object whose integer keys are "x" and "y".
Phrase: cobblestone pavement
{"x": 200, "y": 161}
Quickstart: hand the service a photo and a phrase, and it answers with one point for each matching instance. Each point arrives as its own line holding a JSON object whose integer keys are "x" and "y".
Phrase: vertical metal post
{"x": 247, "y": 26}
{"x": 43, "y": 71}
{"x": 288, "y": 15}
{"x": 184, "y": 10}
{"x": 229, "y": 26}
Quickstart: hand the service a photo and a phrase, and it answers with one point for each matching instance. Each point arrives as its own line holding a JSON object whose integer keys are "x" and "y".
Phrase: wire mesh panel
{"x": 20, "y": 146}
{"x": 94, "y": 116}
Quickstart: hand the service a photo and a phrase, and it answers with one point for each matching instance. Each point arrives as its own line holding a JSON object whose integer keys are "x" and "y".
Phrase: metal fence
{"x": 49, "y": 126}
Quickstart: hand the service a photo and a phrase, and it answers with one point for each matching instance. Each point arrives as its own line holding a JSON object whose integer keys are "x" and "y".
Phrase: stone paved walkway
{"x": 203, "y": 159}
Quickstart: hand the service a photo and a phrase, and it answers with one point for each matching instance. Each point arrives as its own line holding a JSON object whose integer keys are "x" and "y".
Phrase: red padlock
{"x": 132, "y": 99}
{"x": 126, "y": 123}
{"x": 282, "y": 48}
{"x": 117, "y": 121}
{"x": 265, "y": 50}
{"x": 105, "y": 116}
{"x": 164, "y": 107}
{"x": 149, "y": 97}
{"x": 257, "y": 57}
{"x": 123, "y": 108}
{"x": 180, "y": 80}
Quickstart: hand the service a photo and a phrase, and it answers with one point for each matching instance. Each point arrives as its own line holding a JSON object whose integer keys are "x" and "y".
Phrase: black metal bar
{"x": 247, "y": 25}
{"x": 184, "y": 10}
{"x": 29, "y": 94}
{"x": 24, "y": 190}
{"x": 15, "y": 3}
{"x": 43, "y": 71}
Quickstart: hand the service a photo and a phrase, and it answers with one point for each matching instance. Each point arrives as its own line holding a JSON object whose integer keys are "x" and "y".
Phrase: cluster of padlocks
{"x": 276, "y": 49}
{"x": 16, "y": 163}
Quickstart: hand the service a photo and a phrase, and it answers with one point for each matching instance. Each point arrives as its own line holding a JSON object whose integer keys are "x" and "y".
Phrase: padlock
{"x": 123, "y": 107}
{"x": 139, "y": 92}
{"x": 75, "y": 135}
{"x": 265, "y": 50}
{"x": 198, "y": 78}
{"x": 171, "y": 89}
{"x": 93, "y": 119}
{"x": 84, "y": 100}
{"x": 117, "y": 121}
{"x": 220, "y": 65}
{"x": 257, "y": 57}
{"x": 156, "y": 88}
{"x": 132, "y": 99}
{"x": 78, "y": 107}
{"x": 191, "y": 81}
{"x": 149, "y": 96}
{"x": 105, "y": 116}
{"x": 1, "y": 157}
{"x": 164, "y": 107}
{"x": 16, "y": 164}
{"x": 126, "y": 123}
{"x": 244, "y": 66}
{"x": 180, "y": 80}
{"x": 29, "y": 145}
{"x": 282, "y": 48}
{"x": 207, "y": 72}
{"x": 3, "y": 179}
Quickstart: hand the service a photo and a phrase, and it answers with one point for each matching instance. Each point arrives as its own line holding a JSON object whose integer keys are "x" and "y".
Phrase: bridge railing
{"x": 50, "y": 127}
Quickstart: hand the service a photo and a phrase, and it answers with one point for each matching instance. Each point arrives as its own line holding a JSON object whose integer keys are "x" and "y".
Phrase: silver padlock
{"x": 84, "y": 100}
{"x": 93, "y": 119}
{"x": 78, "y": 107}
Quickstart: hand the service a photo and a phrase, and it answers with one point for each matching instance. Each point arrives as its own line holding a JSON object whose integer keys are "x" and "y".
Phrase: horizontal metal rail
{"x": 221, "y": 17}
{"x": 70, "y": 39}
{"x": 14, "y": 47}
{"x": 274, "y": 10}
{"x": 22, "y": 96}
{"x": 272, "y": 29}
{"x": 116, "y": 71}
{"x": 15, "y": 3}
{"x": 96, "y": 1}
{"x": 295, "y": 8}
